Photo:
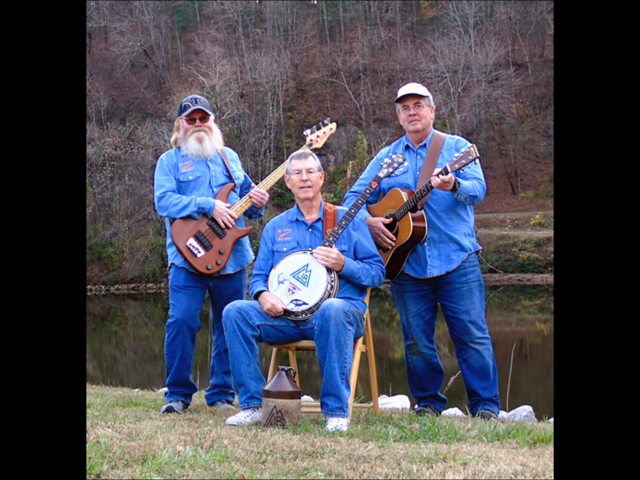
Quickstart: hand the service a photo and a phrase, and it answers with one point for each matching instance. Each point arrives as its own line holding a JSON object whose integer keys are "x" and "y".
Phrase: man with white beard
{"x": 187, "y": 179}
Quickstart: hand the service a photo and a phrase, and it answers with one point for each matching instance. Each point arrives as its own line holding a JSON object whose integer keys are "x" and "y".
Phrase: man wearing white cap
{"x": 442, "y": 269}
{"x": 187, "y": 179}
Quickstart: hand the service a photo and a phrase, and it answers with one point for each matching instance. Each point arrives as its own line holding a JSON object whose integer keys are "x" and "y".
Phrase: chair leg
{"x": 355, "y": 366}
{"x": 273, "y": 366}
{"x": 293, "y": 361}
{"x": 373, "y": 373}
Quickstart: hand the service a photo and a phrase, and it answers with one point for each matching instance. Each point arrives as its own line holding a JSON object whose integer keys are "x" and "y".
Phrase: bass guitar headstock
{"x": 315, "y": 138}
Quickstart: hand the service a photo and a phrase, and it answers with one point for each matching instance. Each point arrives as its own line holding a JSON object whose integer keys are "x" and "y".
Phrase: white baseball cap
{"x": 412, "y": 89}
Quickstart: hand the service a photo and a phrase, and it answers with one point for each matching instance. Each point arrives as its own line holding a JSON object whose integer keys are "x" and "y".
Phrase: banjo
{"x": 299, "y": 280}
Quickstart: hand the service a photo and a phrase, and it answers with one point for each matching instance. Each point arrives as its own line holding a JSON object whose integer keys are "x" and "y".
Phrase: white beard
{"x": 202, "y": 144}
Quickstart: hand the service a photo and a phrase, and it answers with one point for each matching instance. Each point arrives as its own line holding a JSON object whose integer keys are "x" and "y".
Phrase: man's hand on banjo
{"x": 271, "y": 304}
{"x": 330, "y": 258}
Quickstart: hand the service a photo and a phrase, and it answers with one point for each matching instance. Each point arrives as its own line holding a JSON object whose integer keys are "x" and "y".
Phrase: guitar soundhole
{"x": 393, "y": 227}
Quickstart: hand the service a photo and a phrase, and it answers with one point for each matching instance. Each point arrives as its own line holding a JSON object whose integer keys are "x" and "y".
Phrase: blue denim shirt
{"x": 187, "y": 187}
{"x": 290, "y": 231}
{"x": 450, "y": 218}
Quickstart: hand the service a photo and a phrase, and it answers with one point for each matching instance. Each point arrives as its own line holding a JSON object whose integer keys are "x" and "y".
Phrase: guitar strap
{"x": 330, "y": 217}
{"x": 430, "y": 161}
{"x": 224, "y": 157}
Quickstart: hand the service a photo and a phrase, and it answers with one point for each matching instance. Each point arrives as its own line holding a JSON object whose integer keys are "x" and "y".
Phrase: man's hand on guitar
{"x": 442, "y": 183}
{"x": 258, "y": 197}
{"x": 380, "y": 233}
{"x": 223, "y": 214}
{"x": 271, "y": 304}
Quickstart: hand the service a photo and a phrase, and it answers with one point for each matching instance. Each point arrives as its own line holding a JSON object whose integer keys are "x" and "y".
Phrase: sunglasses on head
{"x": 192, "y": 120}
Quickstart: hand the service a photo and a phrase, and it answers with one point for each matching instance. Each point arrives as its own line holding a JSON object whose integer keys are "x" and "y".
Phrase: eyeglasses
{"x": 310, "y": 173}
{"x": 417, "y": 107}
{"x": 192, "y": 120}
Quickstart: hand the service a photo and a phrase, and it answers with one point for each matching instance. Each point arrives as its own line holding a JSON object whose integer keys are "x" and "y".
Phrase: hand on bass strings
{"x": 223, "y": 214}
{"x": 258, "y": 196}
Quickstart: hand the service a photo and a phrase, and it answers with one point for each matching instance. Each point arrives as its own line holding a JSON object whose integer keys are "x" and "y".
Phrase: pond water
{"x": 125, "y": 347}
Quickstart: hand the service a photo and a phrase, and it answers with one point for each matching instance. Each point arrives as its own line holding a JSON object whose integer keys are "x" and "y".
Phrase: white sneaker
{"x": 177, "y": 406}
{"x": 336, "y": 424}
{"x": 222, "y": 405}
{"x": 246, "y": 417}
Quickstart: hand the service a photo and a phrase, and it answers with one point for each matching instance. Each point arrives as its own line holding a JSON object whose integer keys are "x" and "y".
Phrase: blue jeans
{"x": 460, "y": 294}
{"x": 334, "y": 328}
{"x": 186, "y": 294}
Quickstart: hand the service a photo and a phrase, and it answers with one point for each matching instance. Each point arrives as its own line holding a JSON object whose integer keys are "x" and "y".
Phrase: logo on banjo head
{"x": 296, "y": 302}
{"x": 303, "y": 275}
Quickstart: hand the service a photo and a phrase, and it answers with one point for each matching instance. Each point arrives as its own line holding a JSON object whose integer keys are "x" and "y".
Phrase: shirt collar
{"x": 407, "y": 143}
{"x": 298, "y": 215}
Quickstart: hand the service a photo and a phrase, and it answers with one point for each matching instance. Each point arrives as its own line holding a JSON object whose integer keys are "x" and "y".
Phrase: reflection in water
{"x": 125, "y": 347}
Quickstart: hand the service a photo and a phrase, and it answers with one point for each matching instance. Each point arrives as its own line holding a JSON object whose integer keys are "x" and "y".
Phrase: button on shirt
{"x": 450, "y": 218}
{"x": 186, "y": 187}
{"x": 290, "y": 232}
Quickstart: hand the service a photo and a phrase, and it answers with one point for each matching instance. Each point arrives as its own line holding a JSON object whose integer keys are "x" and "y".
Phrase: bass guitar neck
{"x": 204, "y": 243}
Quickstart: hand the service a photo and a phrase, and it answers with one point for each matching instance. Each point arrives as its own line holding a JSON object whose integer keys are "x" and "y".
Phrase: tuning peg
{"x": 327, "y": 121}
{"x": 314, "y": 129}
{"x": 307, "y": 132}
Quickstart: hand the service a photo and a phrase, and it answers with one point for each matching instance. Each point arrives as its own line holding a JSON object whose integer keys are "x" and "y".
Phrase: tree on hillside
{"x": 273, "y": 69}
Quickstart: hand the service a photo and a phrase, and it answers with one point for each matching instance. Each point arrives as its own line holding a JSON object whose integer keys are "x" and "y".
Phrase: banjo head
{"x": 302, "y": 284}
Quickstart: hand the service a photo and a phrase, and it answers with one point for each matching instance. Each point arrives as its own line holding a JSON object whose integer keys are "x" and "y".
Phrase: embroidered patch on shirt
{"x": 282, "y": 234}
{"x": 186, "y": 166}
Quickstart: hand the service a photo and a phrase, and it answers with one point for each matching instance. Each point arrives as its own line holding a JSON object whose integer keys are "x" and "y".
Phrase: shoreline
{"x": 489, "y": 280}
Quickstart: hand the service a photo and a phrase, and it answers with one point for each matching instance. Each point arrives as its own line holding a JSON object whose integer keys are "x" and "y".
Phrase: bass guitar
{"x": 303, "y": 283}
{"x": 409, "y": 224}
{"x": 204, "y": 243}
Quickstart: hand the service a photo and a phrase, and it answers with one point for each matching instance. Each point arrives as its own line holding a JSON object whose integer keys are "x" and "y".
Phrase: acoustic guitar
{"x": 204, "y": 243}
{"x": 409, "y": 224}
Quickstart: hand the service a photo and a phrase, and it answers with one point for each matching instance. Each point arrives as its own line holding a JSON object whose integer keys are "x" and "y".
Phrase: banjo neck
{"x": 346, "y": 219}
{"x": 388, "y": 167}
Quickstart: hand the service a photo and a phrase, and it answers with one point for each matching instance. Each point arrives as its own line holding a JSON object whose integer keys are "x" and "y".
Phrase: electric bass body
{"x": 203, "y": 242}
{"x": 409, "y": 230}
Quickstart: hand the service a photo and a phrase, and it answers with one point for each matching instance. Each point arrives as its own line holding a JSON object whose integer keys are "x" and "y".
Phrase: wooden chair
{"x": 362, "y": 345}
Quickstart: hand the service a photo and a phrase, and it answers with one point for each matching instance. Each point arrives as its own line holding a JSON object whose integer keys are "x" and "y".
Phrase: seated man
{"x": 338, "y": 322}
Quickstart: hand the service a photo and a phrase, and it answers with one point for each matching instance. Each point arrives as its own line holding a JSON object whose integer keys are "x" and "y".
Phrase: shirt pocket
{"x": 343, "y": 248}
{"x": 190, "y": 182}
{"x": 283, "y": 248}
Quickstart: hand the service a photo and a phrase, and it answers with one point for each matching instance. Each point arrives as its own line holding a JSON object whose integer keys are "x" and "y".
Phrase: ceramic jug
{"x": 281, "y": 399}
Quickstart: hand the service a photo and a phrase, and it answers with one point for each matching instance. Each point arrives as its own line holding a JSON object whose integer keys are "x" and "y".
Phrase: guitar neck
{"x": 414, "y": 199}
{"x": 346, "y": 219}
{"x": 245, "y": 202}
